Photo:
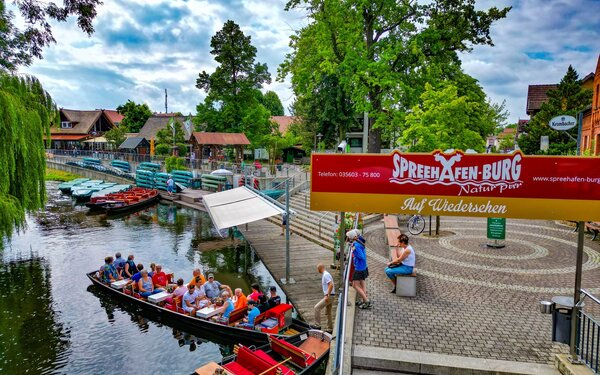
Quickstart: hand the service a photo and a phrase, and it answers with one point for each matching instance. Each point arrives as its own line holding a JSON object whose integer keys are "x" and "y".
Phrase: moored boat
{"x": 286, "y": 325}
{"x": 303, "y": 353}
{"x": 65, "y": 187}
{"x": 132, "y": 200}
{"x": 122, "y": 196}
{"x": 84, "y": 194}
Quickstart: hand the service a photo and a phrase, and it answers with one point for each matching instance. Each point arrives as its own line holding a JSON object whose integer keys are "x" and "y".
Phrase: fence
{"x": 588, "y": 334}
{"x": 202, "y": 166}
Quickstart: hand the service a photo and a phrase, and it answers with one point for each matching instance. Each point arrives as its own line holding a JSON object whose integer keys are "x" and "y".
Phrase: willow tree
{"x": 26, "y": 113}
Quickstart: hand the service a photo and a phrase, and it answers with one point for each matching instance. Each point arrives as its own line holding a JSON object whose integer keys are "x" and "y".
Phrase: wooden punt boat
{"x": 228, "y": 331}
{"x": 65, "y": 187}
{"x": 124, "y": 202}
{"x": 304, "y": 353}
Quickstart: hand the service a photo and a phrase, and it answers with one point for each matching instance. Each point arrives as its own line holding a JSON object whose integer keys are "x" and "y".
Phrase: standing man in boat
{"x": 170, "y": 186}
{"x": 327, "y": 301}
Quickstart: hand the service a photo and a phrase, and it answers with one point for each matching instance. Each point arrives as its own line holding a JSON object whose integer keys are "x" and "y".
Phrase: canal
{"x": 53, "y": 321}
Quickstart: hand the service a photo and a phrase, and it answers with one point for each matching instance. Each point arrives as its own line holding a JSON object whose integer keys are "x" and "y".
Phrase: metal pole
{"x": 577, "y": 293}
{"x": 287, "y": 231}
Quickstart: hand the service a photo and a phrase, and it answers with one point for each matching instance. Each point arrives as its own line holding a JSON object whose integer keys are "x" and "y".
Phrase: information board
{"x": 484, "y": 185}
{"x": 496, "y": 228}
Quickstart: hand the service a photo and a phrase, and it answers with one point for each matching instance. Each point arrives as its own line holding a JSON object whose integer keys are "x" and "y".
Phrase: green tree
{"x": 270, "y": 100}
{"x": 20, "y": 46}
{"x": 569, "y": 98}
{"x": 440, "y": 122}
{"x": 231, "y": 88}
{"x": 379, "y": 48}
{"x": 326, "y": 109}
{"x": 507, "y": 142}
{"x": 136, "y": 115}
{"x": 116, "y": 136}
{"x": 165, "y": 135}
{"x": 26, "y": 114}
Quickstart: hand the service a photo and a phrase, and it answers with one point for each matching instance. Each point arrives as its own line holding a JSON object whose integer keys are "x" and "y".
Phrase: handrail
{"x": 343, "y": 302}
{"x": 587, "y": 293}
{"x": 320, "y": 220}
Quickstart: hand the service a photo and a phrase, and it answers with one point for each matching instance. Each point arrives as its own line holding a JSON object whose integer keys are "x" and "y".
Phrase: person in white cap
{"x": 361, "y": 271}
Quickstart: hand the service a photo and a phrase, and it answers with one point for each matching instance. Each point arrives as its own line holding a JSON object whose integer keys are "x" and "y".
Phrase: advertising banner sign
{"x": 485, "y": 185}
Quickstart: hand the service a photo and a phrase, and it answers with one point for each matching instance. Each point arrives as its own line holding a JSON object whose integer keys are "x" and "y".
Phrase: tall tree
{"x": 136, "y": 115}
{"x": 377, "y": 47}
{"x": 569, "y": 98}
{"x": 20, "y": 46}
{"x": 270, "y": 100}
{"x": 231, "y": 88}
{"x": 441, "y": 122}
{"x": 26, "y": 113}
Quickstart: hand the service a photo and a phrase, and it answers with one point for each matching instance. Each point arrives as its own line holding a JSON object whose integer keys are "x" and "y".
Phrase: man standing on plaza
{"x": 327, "y": 301}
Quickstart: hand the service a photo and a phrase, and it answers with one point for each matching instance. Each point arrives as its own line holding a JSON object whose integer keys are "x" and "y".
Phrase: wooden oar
{"x": 275, "y": 366}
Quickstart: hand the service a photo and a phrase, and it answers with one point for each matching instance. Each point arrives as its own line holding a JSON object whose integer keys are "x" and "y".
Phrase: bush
{"x": 183, "y": 149}
{"x": 173, "y": 163}
{"x": 162, "y": 149}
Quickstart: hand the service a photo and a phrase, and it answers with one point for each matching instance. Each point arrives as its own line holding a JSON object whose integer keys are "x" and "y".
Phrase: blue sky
{"x": 141, "y": 47}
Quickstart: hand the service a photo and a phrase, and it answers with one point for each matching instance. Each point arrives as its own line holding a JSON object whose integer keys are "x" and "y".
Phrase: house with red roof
{"x": 83, "y": 129}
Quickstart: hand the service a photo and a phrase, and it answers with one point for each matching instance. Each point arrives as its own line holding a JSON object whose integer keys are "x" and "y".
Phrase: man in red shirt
{"x": 160, "y": 279}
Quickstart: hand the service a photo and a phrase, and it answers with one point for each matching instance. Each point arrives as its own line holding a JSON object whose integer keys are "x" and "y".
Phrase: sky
{"x": 142, "y": 47}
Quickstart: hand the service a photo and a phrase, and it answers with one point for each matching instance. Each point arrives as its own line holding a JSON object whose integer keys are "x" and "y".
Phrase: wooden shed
{"x": 211, "y": 145}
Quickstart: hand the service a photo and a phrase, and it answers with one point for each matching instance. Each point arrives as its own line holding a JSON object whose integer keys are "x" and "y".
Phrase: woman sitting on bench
{"x": 403, "y": 261}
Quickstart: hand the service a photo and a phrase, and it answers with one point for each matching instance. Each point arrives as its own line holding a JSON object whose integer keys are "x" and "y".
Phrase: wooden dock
{"x": 305, "y": 292}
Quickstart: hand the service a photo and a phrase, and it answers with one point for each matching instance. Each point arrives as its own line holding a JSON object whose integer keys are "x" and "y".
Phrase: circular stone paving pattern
{"x": 545, "y": 246}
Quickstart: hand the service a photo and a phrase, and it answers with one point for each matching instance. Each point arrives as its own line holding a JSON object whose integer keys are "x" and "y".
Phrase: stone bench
{"x": 406, "y": 285}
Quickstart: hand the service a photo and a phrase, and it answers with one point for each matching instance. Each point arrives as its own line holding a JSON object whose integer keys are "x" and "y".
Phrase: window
{"x": 66, "y": 125}
{"x": 355, "y": 142}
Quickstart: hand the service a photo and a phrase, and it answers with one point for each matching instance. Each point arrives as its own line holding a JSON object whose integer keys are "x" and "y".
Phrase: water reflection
{"x": 51, "y": 323}
{"x": 29, "y": 330}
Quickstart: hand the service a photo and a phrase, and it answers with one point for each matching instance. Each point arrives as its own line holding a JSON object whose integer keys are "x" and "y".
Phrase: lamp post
{"x": 319, "y": 136}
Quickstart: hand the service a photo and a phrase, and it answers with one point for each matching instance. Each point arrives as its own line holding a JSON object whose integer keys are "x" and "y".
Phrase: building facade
{"x": 590, "y": 122}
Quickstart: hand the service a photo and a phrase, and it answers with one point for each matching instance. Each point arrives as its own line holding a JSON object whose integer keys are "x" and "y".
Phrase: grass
{"x": 56, "y": 175}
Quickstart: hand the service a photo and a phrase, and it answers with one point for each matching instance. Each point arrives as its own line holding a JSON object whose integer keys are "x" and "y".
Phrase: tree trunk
{"x": 374, "y": 145}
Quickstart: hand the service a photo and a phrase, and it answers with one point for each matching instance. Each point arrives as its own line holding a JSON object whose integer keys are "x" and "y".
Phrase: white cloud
{"x": 142, "y": 47}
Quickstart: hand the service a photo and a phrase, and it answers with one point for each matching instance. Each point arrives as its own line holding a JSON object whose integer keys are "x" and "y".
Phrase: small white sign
{"x": 563, "y": 123}
{"x": 544, "y": 143}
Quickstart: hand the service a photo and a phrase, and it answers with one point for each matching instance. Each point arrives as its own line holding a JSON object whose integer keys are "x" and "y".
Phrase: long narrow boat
{"x": 286, "y": 325}
{"x": 300, "y": 354}
{"x": 65, "y": 187}
{"x": 133, "y": 200}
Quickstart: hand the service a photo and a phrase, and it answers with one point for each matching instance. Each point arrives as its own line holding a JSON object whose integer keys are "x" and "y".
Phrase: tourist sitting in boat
{"x": 263, "y": 304}
{"x": 119, "y": 264}
{"x": 255, "y": 292}
{"x": 227, "y": 306}
{"x": 138, "y": 275}
{"x": 193, "y": 300}
{"x": 129, "y": 269}
{"x": 197, "y": 278}
{"x": 180, "y": 289}
{"x": 212, "y": 287}
{"x": 152, "y": 269}
{"x": 253, "y": 312}
{"x": 241, "y": 300}
{"x": 274, "y": 299}
{"x": 160, "y": 279}
{"x": 109, "y": 272}
{"x": 145, "y": 285}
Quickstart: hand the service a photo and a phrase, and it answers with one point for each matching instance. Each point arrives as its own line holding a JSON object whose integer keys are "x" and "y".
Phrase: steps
{"x": 315, "y": 226}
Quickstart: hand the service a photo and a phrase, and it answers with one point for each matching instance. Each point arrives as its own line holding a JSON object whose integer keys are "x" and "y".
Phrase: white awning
{"x": 238, "y": 206}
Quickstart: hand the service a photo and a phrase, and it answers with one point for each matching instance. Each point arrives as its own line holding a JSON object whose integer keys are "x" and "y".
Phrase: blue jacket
{"x": 360, "y": 255}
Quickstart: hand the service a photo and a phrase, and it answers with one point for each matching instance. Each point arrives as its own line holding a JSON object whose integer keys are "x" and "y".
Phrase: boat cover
{"x": 238, "y": 206}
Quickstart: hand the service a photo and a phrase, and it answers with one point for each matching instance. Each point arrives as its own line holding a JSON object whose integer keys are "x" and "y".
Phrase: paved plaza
{"x": 472, "y": 300}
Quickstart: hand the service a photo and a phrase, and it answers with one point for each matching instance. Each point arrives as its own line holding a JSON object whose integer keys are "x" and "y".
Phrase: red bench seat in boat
{"x": 247, "y": 363}
{"x": 299, "y": 356}
{"x": 272, "y": 362}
